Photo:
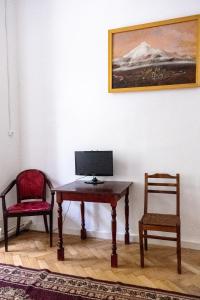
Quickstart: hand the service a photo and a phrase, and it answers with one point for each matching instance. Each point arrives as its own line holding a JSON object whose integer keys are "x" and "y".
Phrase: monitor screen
{"x": 94, "y": 163}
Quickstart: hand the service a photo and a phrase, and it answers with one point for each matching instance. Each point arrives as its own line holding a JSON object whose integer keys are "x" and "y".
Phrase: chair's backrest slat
{"x": 171, "y": 187}
{"x": 162, "y": 184}
{"x": 161, "y": 192}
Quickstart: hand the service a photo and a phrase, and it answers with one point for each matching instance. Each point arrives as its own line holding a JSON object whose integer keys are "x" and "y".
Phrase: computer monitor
{"x": 94, "y": 163}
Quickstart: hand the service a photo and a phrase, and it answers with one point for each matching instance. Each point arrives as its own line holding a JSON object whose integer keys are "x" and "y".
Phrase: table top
{"x": 108, "y": 187}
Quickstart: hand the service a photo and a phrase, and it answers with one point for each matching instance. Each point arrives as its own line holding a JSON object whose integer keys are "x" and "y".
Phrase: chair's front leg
{"x": 46, "y": 224}
{"x": 178, "y": 250}
{"x": 5, "y": 221}
{"x": 18, "y": 225}
{"x": 51, "y": 228}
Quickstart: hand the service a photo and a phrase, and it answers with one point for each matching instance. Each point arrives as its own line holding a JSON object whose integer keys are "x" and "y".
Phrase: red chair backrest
{"x": 31, "y": 184}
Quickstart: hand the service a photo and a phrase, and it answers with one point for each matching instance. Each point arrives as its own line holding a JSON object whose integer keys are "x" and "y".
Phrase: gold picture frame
{"x": 154, "y": 56}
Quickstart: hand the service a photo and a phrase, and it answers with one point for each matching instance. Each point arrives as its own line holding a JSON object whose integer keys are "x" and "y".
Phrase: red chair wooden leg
{"x": 5, "y": 221}
{"x": 46, "y": 224}
{"x": 51, "y": 228}
{"x": 18, "y": 225}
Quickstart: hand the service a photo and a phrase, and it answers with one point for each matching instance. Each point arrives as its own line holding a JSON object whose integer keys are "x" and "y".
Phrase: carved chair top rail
{"x": 161, "y": 175}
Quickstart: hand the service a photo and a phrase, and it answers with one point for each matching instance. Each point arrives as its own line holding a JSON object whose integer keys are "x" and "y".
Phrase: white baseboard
{"x": 184, "y": 244}
{"x": 12, "y": 227}
{"x": 120, "y": 237}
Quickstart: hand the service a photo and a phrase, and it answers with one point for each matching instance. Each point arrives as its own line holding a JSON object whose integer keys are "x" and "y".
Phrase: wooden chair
{"x": 157, "y": 221}
{"x": 31, "y": 200}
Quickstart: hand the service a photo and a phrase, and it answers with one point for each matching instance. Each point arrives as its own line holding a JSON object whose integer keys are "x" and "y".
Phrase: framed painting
{"x": 159, "y": 55}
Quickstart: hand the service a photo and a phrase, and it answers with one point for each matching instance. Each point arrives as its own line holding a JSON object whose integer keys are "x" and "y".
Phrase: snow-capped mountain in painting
{"x": 145, "y": 55}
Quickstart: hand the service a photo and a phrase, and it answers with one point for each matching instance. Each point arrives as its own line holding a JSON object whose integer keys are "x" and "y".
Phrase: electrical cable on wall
{"x": 66, "y": 213}
{"x": 10, "y": 131}
{"x": 64, "y": 218}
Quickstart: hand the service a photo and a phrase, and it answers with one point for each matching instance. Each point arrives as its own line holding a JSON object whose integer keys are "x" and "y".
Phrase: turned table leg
{"x": 126, "y": 237}
{"x": 114, "y": 244}
{"x": 60, "y": 249}
{"x": 83, "y": 230}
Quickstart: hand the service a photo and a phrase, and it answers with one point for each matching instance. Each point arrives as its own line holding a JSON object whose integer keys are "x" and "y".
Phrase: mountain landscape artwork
{"x": 155, "y": 56}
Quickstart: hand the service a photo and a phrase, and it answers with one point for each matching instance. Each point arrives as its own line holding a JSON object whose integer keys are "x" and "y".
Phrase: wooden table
{"x": 108, "y": 192}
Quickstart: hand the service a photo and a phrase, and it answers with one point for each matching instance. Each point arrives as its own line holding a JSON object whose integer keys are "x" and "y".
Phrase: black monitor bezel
{"x": 94, "y": 174}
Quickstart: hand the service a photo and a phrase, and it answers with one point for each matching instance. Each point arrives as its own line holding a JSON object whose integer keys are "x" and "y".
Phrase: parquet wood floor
{"x": 91, "y": 258}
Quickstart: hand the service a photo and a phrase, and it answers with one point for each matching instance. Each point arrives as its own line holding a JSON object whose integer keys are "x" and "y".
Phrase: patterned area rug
{"x": 17, "y": 283}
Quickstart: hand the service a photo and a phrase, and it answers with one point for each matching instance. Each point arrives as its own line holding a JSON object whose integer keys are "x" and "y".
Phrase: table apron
{"x": 61, "y": 196}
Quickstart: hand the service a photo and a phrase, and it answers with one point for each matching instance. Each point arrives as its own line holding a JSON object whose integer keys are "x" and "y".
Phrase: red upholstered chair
{"x": 31, "y": 200}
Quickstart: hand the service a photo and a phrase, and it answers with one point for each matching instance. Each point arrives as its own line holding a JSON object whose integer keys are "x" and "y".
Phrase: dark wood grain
{"x": 83, "y": 230}
{"x": 127, "y": 241}
{"x": 161, "y": 192}
{"x": 114, "y": 262}
{"x": 60, "y": 250}
{"x": 114, "y": 188}
{"x": 108, "y": 192}
{"x": 161, "y": 222}
{"x": 30, "y": 196}
{"x": 161, "y": 184}
{"x": 162, "y": 175}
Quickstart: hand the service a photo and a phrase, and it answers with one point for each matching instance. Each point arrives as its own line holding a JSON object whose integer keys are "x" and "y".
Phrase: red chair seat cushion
{"x": 30, "y": 206}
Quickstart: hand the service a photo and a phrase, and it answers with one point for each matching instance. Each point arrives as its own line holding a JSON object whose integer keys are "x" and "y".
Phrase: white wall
{"x": 9, "y": 146}
{"x": 65, "y": 106}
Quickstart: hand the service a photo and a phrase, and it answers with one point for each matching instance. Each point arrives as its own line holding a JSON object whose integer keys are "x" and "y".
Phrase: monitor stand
{"x": 94, "y": 180}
